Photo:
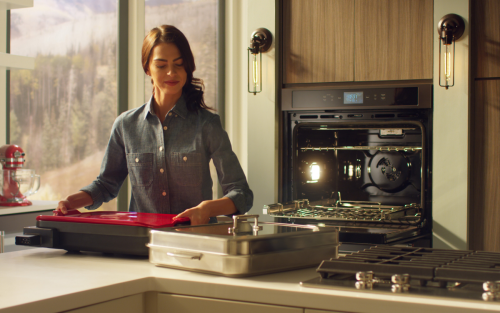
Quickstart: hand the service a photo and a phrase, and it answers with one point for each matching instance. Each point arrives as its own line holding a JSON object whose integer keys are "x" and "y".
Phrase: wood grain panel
{"x": 486, "y": 30}
{"x": 393, "y": 39}
{"x": 318, "y": 41}
{"x": 484, "y": 209}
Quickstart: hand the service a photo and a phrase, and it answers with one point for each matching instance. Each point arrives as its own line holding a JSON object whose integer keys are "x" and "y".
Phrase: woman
{"x": 166, "y": 145}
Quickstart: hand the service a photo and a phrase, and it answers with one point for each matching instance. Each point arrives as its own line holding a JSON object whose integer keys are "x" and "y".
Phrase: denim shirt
{"x": 168, "y": 163}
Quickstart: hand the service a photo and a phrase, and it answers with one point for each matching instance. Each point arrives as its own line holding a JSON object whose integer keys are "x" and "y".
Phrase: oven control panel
{"x": 373, "y": 98}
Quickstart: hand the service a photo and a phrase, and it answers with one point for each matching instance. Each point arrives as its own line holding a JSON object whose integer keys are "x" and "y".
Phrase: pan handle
{"x": 185, "y": 256}
{"x": 236, "y": 220}
{"x": 177, "y": 254}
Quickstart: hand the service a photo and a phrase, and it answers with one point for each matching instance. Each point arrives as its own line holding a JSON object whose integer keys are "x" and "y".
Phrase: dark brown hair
{"x": 193, "y": 89}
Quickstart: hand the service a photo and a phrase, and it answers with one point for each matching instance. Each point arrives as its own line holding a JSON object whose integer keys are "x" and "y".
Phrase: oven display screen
{"x": 353, "y": 97}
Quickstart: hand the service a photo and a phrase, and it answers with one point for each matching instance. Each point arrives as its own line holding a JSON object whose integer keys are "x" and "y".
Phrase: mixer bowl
{"x": 17, "y": 184}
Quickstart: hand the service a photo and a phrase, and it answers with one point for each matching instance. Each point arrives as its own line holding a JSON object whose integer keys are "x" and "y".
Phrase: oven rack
{"x": 379, "y": 148}
{"x": 345, "y": 211}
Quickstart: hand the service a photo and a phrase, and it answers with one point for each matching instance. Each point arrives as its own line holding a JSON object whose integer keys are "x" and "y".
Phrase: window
{"x": 61, "y": 112}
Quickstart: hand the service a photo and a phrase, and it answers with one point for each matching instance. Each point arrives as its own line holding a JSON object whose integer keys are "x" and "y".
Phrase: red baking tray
{"x": 102, "y": 231}
{"x": 151, "y": 220}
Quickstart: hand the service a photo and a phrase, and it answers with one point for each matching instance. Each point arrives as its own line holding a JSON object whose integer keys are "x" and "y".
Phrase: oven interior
{"x": 368, "y": 175}
{"x": 371, "y": 162}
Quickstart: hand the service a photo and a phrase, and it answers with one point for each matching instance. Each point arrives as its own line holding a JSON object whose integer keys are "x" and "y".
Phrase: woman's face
{"x": 166, "y": 68}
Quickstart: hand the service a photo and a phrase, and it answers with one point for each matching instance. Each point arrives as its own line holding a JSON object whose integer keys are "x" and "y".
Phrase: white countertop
{"x": 50, "y": 280}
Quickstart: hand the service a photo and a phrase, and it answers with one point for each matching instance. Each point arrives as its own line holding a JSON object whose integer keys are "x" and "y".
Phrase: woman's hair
{"x": 193, "y": 89}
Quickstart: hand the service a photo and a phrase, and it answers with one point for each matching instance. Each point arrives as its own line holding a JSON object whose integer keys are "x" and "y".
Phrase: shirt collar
{"x": 179, "y": 108}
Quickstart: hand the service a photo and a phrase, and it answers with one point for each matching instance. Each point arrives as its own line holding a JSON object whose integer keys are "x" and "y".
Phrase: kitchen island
{"x": 50, "y": 280}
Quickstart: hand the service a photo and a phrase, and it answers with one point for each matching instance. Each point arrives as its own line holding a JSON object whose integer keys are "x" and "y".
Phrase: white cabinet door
{"x": 320, "y": 311}
{"x": 130, "y": 304}
{"x": 186, "y": 304}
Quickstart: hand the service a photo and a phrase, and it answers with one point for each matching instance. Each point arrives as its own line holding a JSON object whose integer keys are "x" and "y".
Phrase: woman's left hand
{"x": 199, "y": 214}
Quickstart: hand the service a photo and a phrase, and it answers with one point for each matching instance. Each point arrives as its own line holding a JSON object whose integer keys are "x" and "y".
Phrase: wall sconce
{"x": 260, "y": 42}
{"x": 450, "y": 28}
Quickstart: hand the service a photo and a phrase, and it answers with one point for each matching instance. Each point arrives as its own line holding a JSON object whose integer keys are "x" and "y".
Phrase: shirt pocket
{"x": 140, "y": 168}
{"x": 186, "y": 168}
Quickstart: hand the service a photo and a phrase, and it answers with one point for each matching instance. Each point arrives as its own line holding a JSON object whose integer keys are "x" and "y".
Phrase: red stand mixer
{"x": 17, "y": 183}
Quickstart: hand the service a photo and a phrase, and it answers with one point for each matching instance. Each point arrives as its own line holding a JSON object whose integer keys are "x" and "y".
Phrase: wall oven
{"x": 360, "y": 159}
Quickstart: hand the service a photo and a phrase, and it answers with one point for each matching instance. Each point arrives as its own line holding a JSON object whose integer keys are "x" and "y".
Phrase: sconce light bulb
{"x": 447, "y": 66}
{"x": 256, "y": 74}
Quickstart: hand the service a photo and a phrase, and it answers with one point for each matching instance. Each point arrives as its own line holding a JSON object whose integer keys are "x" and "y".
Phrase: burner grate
{"x": 425, "y": 264}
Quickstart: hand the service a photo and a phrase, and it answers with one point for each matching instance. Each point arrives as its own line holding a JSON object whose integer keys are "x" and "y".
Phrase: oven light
{"x": 315, "y": 172}
{"x": 351, "y": 171}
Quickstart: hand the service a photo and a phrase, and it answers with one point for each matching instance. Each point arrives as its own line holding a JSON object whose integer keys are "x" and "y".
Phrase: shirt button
{"x": 136, "y": 160}
{"x": 164, "y": 127}
{"x": 185, "y": 159}
{"x": 175, "y": 115}
{"x": 162, "y": 170}
{"x": 164, "y": 193}
{"x": 161, "y": 148}
{"x": 170, "y": 114}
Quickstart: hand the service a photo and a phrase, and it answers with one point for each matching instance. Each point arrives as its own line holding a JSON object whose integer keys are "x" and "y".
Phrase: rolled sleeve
{"x": 231, "y": 176}
{"x": 113, "y": 170}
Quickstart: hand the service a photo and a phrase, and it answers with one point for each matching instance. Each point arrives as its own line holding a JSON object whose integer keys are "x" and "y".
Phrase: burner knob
{"x": 491, "y": 286}
{"x": 364, "y": 276}
{"x": 364, "y": 285}
{"x": 396, "y": 288}
{"x": 360, "y": 285}
{"x": 400, "y": 282}
{"x": 489, "y": 296}
{"x": 400, "y": 279}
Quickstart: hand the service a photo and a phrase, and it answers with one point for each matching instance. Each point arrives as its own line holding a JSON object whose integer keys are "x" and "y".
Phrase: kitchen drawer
{"x": 186, "y": 304}
{"x": 130, "y": 304}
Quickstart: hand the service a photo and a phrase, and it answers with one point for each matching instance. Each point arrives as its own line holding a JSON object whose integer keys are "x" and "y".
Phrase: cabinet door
{"x": 393, "y": 39}
{"x": 485, "y": 167}
{"x": 320, "y": 311}
{"x": 130, "y": 304}
{"x": 186, "y": 304}
{"x": 318, "y": 41}
{"x": 487, "y": 33}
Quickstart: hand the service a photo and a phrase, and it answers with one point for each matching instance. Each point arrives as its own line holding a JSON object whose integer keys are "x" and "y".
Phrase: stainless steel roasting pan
{"x": 243, "y": 248}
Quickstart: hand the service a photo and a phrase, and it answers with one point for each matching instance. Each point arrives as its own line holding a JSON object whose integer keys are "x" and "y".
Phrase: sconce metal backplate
{"x": 453, "y": 23}
{"x": 263, "y": 37}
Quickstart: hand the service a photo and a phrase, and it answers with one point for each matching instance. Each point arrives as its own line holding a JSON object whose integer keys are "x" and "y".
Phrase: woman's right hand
{"x": 63, "y": 206}
{"x": 75, "y": 201}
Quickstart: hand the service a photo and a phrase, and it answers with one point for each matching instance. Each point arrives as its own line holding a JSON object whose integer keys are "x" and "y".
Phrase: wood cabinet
{"x": 356, "y": 40}
{"x": 484, "y": 165}
{"x": 314, "y": 48}
{"x": 484, "y": 208}
{"x": 486, "y": 27}
{"x": 393, "y": 39}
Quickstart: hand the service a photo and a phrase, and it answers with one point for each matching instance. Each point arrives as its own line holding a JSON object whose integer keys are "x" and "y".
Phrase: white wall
{"x": 251, "y": 120}
{"x": 450, "y": 138}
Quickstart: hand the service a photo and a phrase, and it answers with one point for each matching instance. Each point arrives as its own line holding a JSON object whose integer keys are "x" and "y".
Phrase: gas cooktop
{"x": 464, "y": 274}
